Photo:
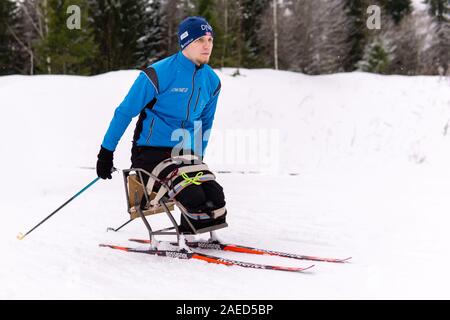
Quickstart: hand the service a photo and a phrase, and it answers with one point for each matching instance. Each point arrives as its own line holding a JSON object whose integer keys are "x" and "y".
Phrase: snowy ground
{"x": 340, "y": 165}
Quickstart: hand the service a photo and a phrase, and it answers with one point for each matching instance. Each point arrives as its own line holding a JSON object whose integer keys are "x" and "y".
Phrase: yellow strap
{"x": 194, "y": 180}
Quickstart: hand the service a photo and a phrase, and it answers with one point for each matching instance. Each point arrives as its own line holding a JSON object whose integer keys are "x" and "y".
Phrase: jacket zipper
{"x": 196, "y": 101}
{"x": 190, "y": 98}
{"x": 151, "y": 130}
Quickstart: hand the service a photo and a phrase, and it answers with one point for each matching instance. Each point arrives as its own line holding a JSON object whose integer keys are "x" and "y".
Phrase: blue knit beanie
{"x": 191, "y": 29}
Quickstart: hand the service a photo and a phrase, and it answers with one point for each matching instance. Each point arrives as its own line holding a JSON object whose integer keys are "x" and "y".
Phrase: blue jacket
{"x": 171, "y": 94}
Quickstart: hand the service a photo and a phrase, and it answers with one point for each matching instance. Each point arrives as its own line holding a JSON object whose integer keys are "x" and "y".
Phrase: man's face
{"x": 200, "y": 50}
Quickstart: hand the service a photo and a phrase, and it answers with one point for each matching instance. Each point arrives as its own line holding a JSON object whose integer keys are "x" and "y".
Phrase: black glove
{"x": 104, "y": 163}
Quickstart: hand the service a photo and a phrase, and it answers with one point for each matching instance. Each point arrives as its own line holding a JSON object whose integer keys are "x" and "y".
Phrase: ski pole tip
{"x": 20, "y": 236}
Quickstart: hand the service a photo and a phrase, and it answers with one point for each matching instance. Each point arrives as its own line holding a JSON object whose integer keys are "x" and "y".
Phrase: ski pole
{"x": 20, "y": 236}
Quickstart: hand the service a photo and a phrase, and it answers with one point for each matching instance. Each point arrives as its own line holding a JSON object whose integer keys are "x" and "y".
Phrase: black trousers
{"x": 196, "y": 198}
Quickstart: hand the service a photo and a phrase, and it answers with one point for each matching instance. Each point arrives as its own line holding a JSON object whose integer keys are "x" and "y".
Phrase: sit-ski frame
{"x": 163, "y": 202}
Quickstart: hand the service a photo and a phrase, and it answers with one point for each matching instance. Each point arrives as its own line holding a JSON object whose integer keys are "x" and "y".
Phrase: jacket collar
{"x": 187, "y": 63}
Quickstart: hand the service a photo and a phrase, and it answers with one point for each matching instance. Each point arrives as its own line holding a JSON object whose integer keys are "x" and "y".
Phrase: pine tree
{"x": 207, "y": 9}
{"x": 439, "y": 9}
{"x": 8, "y": 45}
{"x": 222, "y": 34}
{"x": 378, "y": 56}
{"x": 67, "y": 50}
{"x": 357, "y": 37}
{"x": 401, "y": 38}
{"x": 238, "y": 43}
{"x": 397, "y": 9}
{"x": 105, "y": 26}
{"x": 152, "y": 46}
{"x": 234, "y": 36}
{"x": 121, "y": 33}
{"x": 251, "y": 23}
{"x": 134, "y": 27}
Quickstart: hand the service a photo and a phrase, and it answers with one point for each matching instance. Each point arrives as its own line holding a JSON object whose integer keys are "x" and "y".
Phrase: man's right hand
{"x": 105, "y": 163}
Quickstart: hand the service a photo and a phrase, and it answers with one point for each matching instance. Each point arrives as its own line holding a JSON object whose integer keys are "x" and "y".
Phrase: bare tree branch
{"x": 27, "y": 49}
{"x": 38, "y": 30}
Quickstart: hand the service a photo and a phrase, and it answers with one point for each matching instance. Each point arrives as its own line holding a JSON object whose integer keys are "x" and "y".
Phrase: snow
{"x": 349, "y": 164}
{"x": 419, "y": 5}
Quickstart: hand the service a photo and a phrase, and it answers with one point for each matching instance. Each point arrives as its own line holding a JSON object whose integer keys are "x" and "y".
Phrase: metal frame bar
{"x": 163, "y": 202}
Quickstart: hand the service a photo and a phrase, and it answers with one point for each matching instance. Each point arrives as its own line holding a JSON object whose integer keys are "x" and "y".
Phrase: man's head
{"x": 195, "y": 36}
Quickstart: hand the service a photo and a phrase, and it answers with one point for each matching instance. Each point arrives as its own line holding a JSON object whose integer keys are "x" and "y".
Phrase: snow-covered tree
{"x": 121, "y": 31}
{"x": 378, "y": 56}
{"x": 395, "y": 48}
{"x": 438, "y": 53}
{"x": 152, "y": 45}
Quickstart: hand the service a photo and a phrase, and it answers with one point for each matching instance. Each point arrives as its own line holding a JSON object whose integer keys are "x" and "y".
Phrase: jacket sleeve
{"x": 207, "y": 117}
{"x": 141, "y": 93}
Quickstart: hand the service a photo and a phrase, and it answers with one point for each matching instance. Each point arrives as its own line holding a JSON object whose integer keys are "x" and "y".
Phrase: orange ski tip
{"x": 242, "y": 250}
{"x": 114, "y": 247}
{"x": 210, "y": 260}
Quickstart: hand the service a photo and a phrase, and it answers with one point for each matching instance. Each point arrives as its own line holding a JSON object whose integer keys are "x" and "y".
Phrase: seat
{"x": 140, "y": 205}
{"x": 136, "y": 192}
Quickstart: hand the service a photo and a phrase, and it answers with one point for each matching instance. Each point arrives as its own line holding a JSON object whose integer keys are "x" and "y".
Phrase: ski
{"x": 252, "y": 250}
{"x": 207, "y": 258}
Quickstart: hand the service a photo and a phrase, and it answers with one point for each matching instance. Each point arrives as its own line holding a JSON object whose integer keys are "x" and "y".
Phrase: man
{"x": 175, "y": 95}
